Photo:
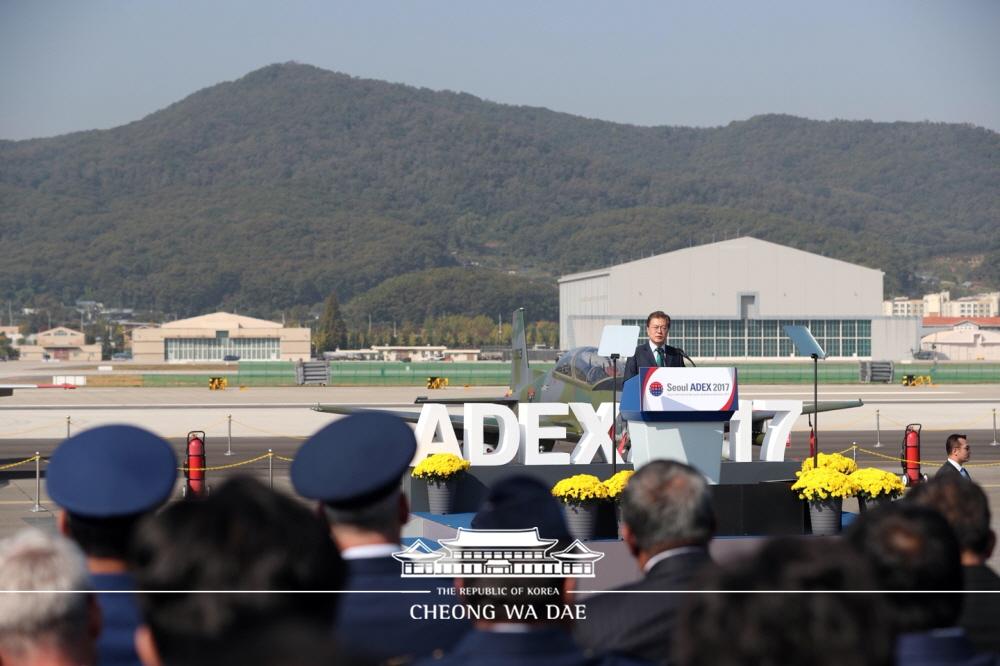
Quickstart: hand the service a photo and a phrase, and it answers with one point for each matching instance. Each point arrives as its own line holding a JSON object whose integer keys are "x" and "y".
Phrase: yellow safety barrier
{"x": 221, "y": 467}
{"x": 217, "y": 383}
{"x": 22, "y": 462}
{"x": 918, "y": 380}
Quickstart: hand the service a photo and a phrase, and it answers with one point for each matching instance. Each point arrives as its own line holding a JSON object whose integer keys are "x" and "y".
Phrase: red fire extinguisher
{"x": 910, "y": 455}
{"x": 194, "y": 470}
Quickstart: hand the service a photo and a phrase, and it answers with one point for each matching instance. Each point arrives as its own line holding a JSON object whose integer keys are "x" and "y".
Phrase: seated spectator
{"x": 242, "y": 538}
{"x": 534, "y": 633}
{"x": 818, "y": 629}
{"x": 669, "y": 521}
{"x": 914, "y": 553}
{"x": 354, "y": 468}
{"x": 965, "y": 506}
{"x": 58, "y": 626}
{"x": 105, "y": 480}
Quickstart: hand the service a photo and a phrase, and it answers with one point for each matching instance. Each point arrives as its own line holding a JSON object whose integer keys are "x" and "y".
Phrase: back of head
{"x": 106, "y": 478}
{"x": 667, "y": 504}
{"x": 912, "y": 549}
{"x": 761, "y": 628}
{"x": 966, "y": 508}
{"x": 519, "y": 503}
{"x": 242, "y": 537}
{"x": 57, "y": 619}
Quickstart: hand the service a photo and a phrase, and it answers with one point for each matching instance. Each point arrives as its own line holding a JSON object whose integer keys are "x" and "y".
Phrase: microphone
{"x": 684, "y": 354}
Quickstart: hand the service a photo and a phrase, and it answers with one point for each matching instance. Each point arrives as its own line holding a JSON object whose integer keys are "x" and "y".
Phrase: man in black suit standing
{"x": 654, "y": 353}
{"x": 669, "y": 521}
{"x": 957, "y": 447}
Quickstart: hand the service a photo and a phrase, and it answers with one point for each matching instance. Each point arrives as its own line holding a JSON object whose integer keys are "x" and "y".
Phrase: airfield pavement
{"x": 280, "y": 419}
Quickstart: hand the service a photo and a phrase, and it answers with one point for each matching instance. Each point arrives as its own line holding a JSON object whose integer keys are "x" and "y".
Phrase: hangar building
{"x": 729, "y": 300}
{"x": 215, "y": 336}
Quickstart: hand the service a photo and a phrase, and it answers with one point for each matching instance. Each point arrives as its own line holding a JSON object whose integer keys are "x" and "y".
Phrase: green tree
{"x": 330, "y": 332}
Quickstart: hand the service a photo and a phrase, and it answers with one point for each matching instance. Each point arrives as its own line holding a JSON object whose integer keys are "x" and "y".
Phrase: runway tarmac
{"x": 280, "y": 419}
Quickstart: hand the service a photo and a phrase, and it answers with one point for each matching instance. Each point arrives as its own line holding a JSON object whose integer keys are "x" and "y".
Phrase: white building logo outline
{"x": 497, "y": 554}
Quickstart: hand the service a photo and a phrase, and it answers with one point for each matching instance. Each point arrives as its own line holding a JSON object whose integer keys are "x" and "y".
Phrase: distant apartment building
{"x": 942, "y": 305}
{"x": 61, "y": 344}
{"x": 903, "y": 307}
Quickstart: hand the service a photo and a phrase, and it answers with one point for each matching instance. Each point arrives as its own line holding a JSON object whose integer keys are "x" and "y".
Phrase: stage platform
{"x": 752, "y": 499}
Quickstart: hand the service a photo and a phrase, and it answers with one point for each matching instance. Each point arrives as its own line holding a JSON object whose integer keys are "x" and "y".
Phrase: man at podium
{"x": 655, "y": 353}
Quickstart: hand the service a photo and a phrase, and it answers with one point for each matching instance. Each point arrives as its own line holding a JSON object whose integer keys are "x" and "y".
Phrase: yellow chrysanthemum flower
{"x": 579, "y": 489}
{"x": 440, "y": 467}
{"x": 823, "y": 483}
{"x": 872, "y": 482}
{"x": 616, "y": 484}
{"x": 835, "y": 461}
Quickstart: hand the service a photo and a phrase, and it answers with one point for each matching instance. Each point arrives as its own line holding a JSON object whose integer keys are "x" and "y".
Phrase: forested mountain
{"x": 292, "y": 182}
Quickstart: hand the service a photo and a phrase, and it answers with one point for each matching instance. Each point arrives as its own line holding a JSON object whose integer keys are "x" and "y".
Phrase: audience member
{"x": 915, "y": 557}
{"x": 241, "y": 539}
{"x": 105, "y": 479}
{"x": 668, "y": 522}
{"x": 354, "y": 468}
{"x": 521, "y": 620}
{"x": 749, "y": 625}
{"x": 966, "y": 508}
{"x": 58, "y": 622}
{"x": 959, "y": 452}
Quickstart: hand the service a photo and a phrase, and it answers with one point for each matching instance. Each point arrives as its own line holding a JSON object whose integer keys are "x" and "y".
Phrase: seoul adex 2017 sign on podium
{"x": 679, "y": 414}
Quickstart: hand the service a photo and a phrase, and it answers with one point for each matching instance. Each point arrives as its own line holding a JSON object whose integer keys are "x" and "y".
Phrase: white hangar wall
{"x": 729, "y": 300}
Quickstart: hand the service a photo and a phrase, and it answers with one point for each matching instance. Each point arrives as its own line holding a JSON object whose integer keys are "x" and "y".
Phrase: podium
{"x": 679, "y": 414}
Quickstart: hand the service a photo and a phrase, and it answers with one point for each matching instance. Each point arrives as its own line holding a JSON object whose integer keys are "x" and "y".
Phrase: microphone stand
{"x": 614, "y": 413}
{"x": 815, "y": 358}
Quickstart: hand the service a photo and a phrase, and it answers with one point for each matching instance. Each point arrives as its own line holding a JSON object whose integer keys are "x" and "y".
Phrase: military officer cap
{"x": 522, "y": 502}
{"x": 354, "y": 461}
{"x": 111, "y": 471}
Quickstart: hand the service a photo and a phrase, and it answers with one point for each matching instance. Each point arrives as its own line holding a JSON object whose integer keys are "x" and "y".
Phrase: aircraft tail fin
{"x": 520, "y": 374}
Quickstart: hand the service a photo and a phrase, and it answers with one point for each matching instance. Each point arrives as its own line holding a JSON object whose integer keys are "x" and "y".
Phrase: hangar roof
{"x": 745, "y": 244}
{"x": 222, "y": 320}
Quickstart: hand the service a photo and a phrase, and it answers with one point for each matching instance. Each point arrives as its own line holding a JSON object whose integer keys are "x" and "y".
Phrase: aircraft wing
{"x": 830, "y": 405}
{"x": 490, "y": 426}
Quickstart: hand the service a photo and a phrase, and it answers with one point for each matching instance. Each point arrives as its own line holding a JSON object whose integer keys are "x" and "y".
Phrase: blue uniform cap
{"x": 355, "y": 460}
{"x": 522, "y": 502}
{"x": 111, "y": 471}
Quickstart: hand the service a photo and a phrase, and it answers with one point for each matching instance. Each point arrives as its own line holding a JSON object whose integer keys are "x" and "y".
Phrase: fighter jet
{"x": 580, "y": 375}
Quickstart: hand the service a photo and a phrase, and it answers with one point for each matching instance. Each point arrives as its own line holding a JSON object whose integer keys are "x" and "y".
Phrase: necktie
{"x": 660, "y": 357}
{"x": 965, "y": 473}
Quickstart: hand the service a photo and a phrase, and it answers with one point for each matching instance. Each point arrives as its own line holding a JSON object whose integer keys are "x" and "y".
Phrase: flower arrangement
{"x": 616, "y": 484}
{"x": 580, "y": 489}
{"x": 823, "y": 483}
{"x": 835, "y": 461}
{"x": 871, "y": 482}
{"x": 440, "y": 467}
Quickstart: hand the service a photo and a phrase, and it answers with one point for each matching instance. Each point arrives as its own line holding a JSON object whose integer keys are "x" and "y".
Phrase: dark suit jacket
{"x": 642, "y": 625}
{"x": 542, "y": 647}
{"x": 948, "y": 471}
{"x": 119, "y": 619}
{"x": 644, "y": 358}
{"x": 379, "y": 626}
{"x": 931, "y": 649}
{"x": 980, "y": 611}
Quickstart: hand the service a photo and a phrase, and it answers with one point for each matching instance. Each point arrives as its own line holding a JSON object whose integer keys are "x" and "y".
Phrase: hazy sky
{"x": 68, "y": 65}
